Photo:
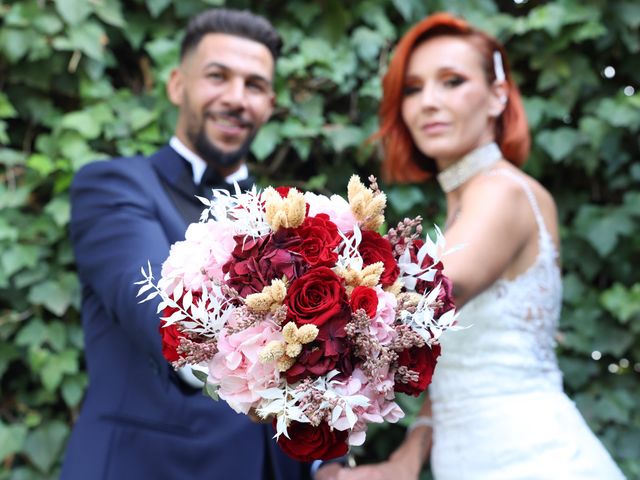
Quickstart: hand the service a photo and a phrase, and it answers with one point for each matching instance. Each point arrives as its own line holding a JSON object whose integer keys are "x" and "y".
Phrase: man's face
{"x": 224, "y": 92}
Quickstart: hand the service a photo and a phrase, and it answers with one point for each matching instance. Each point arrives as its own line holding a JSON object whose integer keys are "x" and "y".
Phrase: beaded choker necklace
{"x": 469, "y": 166}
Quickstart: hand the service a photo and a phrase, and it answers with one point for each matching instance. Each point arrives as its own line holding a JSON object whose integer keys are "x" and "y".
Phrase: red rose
{"x": 171, "y": 336}
{"x": 330, "y": 350}
{"x": 365, "y": 298}
{"x": 315, "y": 297}
{"x": 374, "y": 248}
{"x": 255, "y": 262}
{"x": 319, "y": 237}
{"x": 308, "y": 443}
{"x": 421, "y": 360}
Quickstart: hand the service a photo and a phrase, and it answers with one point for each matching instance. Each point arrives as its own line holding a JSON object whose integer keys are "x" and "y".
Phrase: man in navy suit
{"x": 140, "y": 419}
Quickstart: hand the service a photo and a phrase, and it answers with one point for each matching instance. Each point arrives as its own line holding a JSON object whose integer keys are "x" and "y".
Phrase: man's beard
{"x": 215, "y": 156}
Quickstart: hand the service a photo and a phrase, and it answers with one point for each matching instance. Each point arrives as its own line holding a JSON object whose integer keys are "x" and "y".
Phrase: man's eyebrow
{"x": 253, "y": 76}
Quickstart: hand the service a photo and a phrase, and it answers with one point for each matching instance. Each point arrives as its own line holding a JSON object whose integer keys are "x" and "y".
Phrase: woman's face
{"x": 448, "y": 105}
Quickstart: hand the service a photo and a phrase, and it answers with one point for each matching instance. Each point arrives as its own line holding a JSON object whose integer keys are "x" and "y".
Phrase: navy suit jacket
{"x": 138, "y": 420}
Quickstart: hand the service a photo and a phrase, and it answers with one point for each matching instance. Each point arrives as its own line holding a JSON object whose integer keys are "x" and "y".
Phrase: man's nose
{"x": 235, "y": 94}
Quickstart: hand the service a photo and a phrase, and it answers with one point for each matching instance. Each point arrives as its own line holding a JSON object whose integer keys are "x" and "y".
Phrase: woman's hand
{"x": 389, "y": 470}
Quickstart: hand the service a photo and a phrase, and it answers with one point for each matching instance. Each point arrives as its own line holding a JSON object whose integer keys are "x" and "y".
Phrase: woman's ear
{"x": 499, "y": 98}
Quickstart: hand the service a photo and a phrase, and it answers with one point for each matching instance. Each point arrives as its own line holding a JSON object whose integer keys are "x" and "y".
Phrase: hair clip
{"x": 498, "y": 66}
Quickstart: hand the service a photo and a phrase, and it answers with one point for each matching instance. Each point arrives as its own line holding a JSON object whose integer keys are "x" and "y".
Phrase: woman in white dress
{"x": 496, "y": 408}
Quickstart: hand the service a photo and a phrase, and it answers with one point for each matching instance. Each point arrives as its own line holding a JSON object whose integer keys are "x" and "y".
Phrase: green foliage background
{"x": 82, "y": 80}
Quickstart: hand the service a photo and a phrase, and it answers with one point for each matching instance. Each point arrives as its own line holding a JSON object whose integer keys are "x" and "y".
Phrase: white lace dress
{"x": 498, "y": 406}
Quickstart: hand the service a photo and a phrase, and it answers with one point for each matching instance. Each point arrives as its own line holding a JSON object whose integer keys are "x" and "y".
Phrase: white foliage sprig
{"x": 423, "y": 322}
{"x": 283, "y": 403}
{"x": 243, "y": 210}
{"x": 206, "y": 317}
{"x": 349, "y": 255}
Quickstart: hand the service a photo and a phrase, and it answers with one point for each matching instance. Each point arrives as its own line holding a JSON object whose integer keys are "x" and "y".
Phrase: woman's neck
{"x": 473, "y": 163}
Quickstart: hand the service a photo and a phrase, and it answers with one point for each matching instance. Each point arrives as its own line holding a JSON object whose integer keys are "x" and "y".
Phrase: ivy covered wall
{"x": 82, "y": 80}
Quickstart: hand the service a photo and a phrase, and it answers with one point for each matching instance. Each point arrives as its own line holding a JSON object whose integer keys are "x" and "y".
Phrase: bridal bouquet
{"x": 291, "y": 306}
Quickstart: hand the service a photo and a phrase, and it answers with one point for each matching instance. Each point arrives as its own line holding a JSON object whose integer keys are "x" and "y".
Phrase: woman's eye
{"x": 410, "y": 90}
{"x": 453, "y": 81}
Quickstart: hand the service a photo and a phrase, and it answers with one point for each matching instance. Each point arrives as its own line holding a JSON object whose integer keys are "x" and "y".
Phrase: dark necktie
{"x": 211, "y": 179}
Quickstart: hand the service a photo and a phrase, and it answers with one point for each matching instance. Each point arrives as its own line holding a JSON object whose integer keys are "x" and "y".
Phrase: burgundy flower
{"x": 308, "y": 443}
{"x": 330, "y": 350}
{"x": 421, "y": 360}
{"x": 374, "y": 248}
{"x": 255, "y": 262}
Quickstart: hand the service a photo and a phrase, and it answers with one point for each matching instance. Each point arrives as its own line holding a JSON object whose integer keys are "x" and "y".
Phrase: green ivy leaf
{"x": 73, "y": 11}
{"x": 73, "y": 387}
{"x": 17, "y": 257}
{"x": 57, "y": 366}
{"x": 14, "y": 43}
{"x": 44, "y": 444}
{"x": 12, "y": 438}
{"x": 404, "y": 198}
{"x": 110, "y": 11}
{"x": 55, "y": 296}
{"x": 559, "y": 143}
{"x": 623, "y": 303}
{"x": 32, "y": 335}
{"x": 156, "y": 7}
{"x": 266, "y": 140}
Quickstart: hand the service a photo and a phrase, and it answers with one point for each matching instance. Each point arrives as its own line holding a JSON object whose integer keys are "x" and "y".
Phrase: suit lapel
{"x": 177, "y": 180}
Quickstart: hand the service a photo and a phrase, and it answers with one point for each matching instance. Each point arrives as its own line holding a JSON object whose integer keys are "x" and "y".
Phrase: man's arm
{"x": 115, "y": 230}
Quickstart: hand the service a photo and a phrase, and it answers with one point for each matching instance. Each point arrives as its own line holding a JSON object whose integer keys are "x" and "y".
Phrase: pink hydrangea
{"x": 381, "y": 325}
{"x": 381, "y": 406}
{"x": 335, "y": 206}
{"x": 238, "y": 371}
{"x": 198, "y": 259}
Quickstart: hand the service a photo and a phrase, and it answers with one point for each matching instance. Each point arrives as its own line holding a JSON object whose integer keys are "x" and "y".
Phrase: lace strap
{"x": 542, "y": 228}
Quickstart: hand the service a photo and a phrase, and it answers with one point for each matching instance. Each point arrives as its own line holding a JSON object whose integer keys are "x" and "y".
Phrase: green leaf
{"x": 73, "y": 11}
{"x": 367, "y": 43}
{"x": 6, "y": 109}
{"x": 404, "y": 198}
{"x": 44, "y": 444}
{"x": 623, "y": 303}
{"x": 55, "y": 296}
{"x": 14, "y": 43}
{"x": 57, "y": 366}
{"x": 156, "y": 7}
{"x": 32, "y": 335}
{"x": 48, "y": 23}
{"x": 60, "y": 210}
{"x": 603, "y": 227}
{"x": 559, "y": 143}
{"x": 110, "y": 11}
{"x": 12, "y": 438}
{"x": 266, "y": 140}
{"x": 82, "y": 122}
{"x": 41, "y": 164}
{"x": 343, "y": 136}
{"x": 73, "y": 388}
{"x": 17, "y": 257}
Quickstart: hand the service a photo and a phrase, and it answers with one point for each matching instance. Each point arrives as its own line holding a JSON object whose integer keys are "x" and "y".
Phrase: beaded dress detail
{"x": 498, "y": 406}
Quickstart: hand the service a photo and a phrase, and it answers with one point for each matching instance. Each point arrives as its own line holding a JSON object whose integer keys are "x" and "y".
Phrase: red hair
{"x": 403, "y": 162}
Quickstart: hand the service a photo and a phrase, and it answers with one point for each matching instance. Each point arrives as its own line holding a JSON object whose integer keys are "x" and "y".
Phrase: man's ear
{"x": 175, "y": 87}
{"x": 499, "y": 97}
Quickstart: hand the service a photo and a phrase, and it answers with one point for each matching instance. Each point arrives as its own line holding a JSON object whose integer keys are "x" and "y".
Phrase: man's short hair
{"x": 240, "y": 23}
